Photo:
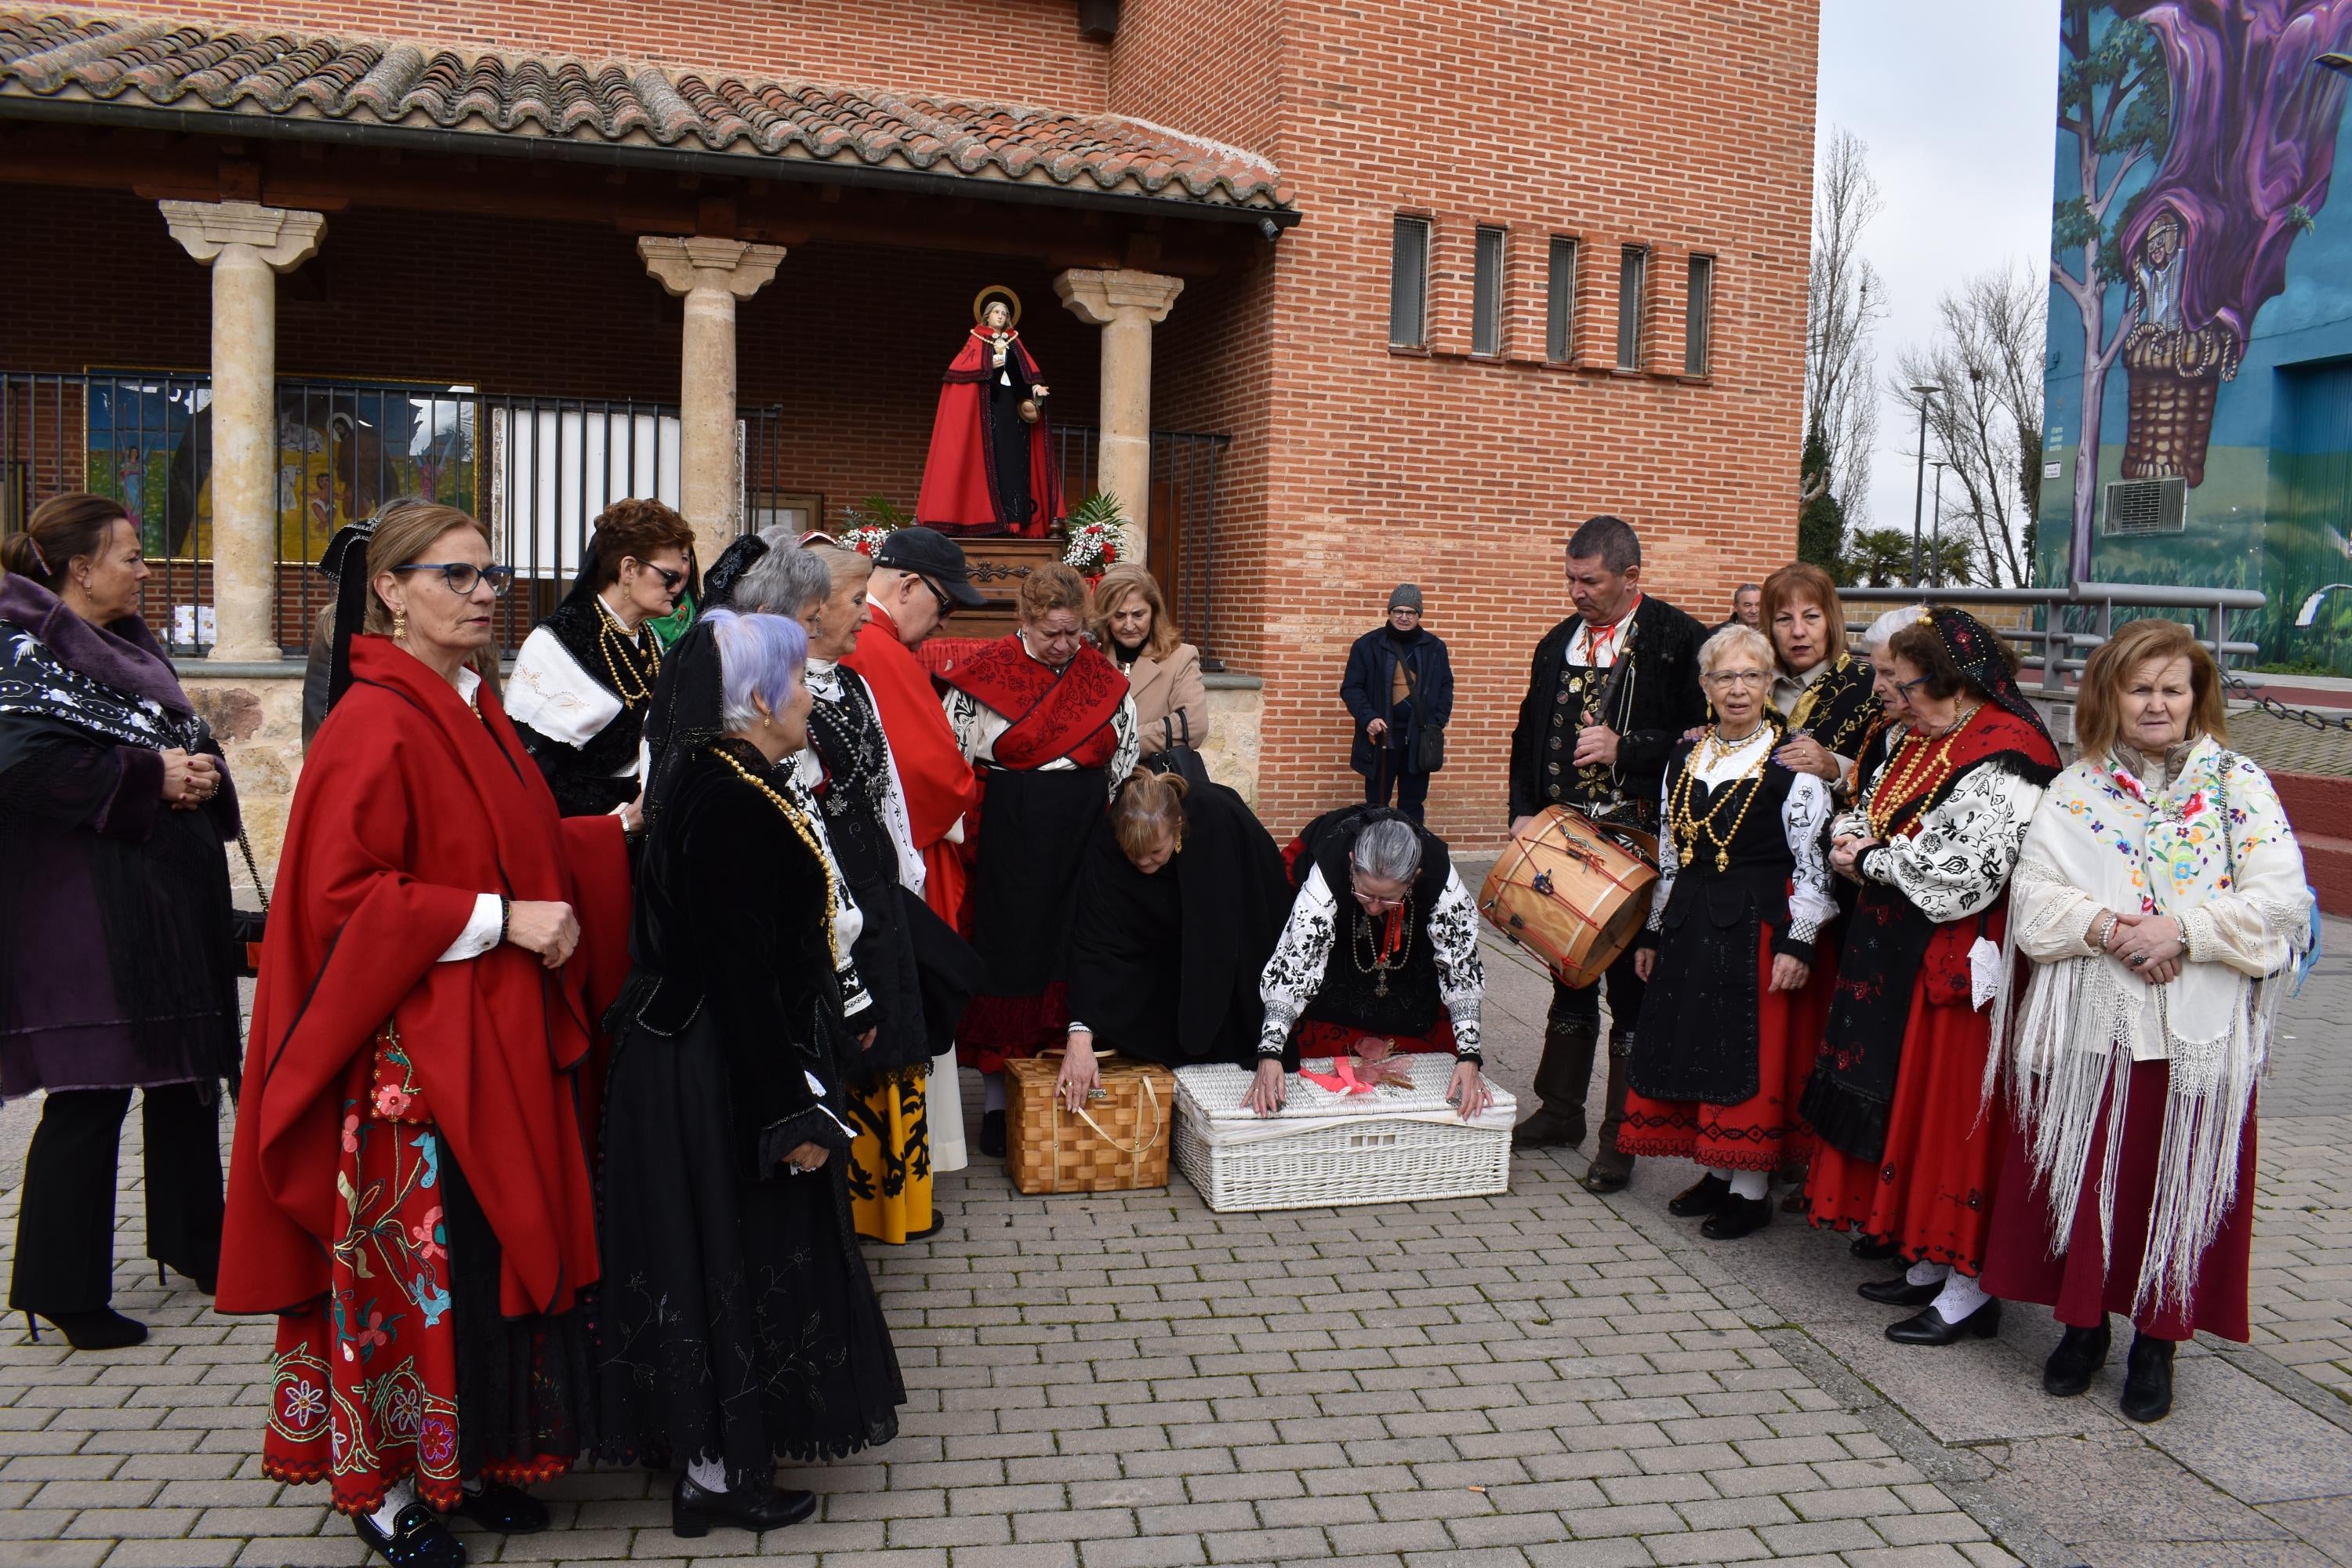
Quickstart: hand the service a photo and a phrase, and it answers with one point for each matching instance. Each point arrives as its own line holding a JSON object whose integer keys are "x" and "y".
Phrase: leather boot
{"x": 2081, "y": 1352}
{"x": 1611, "y": 1169}
{"x": 2148, "y": 1379}
{"x": 1562, "y": 1079}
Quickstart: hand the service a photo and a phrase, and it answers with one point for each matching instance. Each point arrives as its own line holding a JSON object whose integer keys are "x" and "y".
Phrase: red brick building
{"x": 1432, "y": 281}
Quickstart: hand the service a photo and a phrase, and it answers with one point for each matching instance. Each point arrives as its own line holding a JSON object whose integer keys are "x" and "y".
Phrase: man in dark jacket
{"x": 1594, "y": 737}
{"x": 1398, "y": 683}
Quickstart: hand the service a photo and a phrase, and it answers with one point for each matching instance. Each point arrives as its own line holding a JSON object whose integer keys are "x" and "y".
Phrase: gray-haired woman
{"x": 1408, "y": 978}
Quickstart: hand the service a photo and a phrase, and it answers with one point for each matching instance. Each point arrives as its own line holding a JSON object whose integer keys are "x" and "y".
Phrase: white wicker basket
{"x": 1327, "y": 1151}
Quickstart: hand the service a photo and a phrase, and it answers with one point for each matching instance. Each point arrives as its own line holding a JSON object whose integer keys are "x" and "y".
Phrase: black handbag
{"x": 1428, "y": 738}
{"x": 245, "y": 927}
{"x": 1178, "y": 756}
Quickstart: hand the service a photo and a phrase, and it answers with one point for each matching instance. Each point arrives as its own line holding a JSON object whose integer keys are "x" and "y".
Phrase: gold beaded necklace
{"x": 808, "y": 836}
{"x": 1686, "y": 825}
{"x": 1912, "y": 773}
{"x": 611, "y": 642}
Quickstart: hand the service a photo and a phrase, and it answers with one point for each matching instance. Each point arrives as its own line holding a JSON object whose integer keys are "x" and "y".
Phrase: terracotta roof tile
{"x": 163, "y": 64}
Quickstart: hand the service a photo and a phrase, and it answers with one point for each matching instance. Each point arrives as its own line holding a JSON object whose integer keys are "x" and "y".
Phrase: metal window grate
{"x": 1409, "y": 284}
{"x": 1632, "y": 264}
{"x": 2147, "y": 506}
{"x": 1699, "y": 316}
{"x": 1559, "y": 304}
{"x": 1486, "y": 294}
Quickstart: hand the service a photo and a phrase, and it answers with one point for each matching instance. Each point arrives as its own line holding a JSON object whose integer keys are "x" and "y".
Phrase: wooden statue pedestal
{"x": 998, "y": 565}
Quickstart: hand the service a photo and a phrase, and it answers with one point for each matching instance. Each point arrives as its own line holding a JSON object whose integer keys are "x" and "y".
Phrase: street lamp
{"x": 1935, "y": 557}
{"x": 1919, "y": 485}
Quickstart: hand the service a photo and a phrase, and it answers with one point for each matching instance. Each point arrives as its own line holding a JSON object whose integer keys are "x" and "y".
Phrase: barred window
{"x": 1409, "y": 284}
{"x": 1631, "y": 269}
{"x": 1698, "y": 315}
{"x": 1486, "y": 294}
{"x": 1559, "y": 303}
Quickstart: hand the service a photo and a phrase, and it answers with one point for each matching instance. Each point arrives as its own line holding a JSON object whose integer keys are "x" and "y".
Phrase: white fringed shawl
{"x": 2212, "y": 848}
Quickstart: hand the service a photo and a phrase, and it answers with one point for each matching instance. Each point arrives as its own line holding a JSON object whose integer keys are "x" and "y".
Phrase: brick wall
{"x": 1685, "y": 129}
{"x": 1023, "y": 51}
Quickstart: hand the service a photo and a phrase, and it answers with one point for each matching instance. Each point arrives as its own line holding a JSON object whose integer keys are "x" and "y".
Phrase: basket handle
{"x": 1135, "y": 1155}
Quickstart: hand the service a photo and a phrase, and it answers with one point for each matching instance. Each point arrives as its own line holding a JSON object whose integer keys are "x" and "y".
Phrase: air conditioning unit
{"x": 2147, "y": 506}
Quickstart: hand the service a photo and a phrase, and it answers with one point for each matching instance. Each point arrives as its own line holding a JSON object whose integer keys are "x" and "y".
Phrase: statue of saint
{"x": 991, "y": 467}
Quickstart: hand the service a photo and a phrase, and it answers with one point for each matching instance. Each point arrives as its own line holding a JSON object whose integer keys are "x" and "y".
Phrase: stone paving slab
{"x": 1534, "y": 1378}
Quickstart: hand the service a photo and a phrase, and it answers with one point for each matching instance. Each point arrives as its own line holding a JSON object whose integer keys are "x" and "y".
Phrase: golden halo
{"x": 980, "y": 302}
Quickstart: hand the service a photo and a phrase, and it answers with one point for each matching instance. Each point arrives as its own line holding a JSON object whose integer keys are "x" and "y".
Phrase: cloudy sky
{"x": 1957, "y": 102}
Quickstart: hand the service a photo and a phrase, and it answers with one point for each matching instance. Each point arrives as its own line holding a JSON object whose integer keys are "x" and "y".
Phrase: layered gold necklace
{"x": 1920, "y": 766}
{"x": 630, "y": 684}
{"x": 808, "y": 836}
{"x": 1687, "y": 825}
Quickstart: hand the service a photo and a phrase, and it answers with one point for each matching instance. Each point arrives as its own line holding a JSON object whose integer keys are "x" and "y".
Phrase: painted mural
{"x": 2200, "y": 303}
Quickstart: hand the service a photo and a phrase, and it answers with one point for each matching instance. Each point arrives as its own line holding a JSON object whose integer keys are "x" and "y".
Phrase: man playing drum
{"x": 1612, "y": 689}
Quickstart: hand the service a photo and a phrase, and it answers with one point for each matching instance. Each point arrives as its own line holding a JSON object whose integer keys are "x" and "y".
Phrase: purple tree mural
{"x": 2228, "y": 94}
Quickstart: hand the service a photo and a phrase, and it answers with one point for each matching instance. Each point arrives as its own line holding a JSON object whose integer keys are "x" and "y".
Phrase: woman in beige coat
{"x": 1132, "y": 623}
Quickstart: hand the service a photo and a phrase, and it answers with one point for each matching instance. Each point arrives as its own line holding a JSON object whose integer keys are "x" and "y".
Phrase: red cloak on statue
{"x": 964, "y": 478}
{"x": 933, "y": 776}
{"x": 410, "y": 807}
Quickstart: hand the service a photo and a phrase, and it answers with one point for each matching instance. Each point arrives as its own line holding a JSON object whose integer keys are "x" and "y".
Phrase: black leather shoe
{"x": 1870, "y": 1249}
{"x": 418, "y": 1539}
{"x": 992, "y": 1134}
{"x": 1737, "y": 1217}
{"x": 692, "y": 1510}
{"x": 103, "y": 1329}
{"x": 2148, "y": 1379}
{"x": 2081, "y": 1352}
{"x": 508, "y": 1510}
{"x": 1706, "y": 1196}
{"x": 1929, "y": 1328}
{"x": 1606, "y": 1176}
{"x": 1549, "y": 1129}
{"x": 1899, "y": 1291}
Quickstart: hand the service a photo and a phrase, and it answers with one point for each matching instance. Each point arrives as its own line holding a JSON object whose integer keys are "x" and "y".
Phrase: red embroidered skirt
{"x": 2082, "y": 1284}
{"x": 364, "y": 1390}
{"x": 1763, "y": 1130}
{"x": 1316, "y": 1038}
{"x": 1930, "y": 1192}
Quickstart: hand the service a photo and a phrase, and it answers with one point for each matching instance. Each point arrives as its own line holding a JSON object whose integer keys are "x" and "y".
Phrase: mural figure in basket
{"x": 2196, "y": 140}
{"x": 992, "y": 468}
{"x": 1393, "y": 966}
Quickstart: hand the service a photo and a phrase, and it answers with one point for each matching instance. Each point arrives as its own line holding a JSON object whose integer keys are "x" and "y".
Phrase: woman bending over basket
{"x": 1181, "y": 899}
{"x": 1392, "y": 966}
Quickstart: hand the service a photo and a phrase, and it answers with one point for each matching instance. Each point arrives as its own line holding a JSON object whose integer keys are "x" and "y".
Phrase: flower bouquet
{"x": 1097, "y": 536}
{"x": 869, "y": 522}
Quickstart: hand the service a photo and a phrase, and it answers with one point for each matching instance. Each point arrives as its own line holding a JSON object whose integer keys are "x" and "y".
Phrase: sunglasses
{"x": 670, "y": 580}
{"x": 462, "y": 575}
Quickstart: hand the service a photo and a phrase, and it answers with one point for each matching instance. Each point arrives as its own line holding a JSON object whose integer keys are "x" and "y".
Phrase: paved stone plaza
{"x": 1545, "y": 1378}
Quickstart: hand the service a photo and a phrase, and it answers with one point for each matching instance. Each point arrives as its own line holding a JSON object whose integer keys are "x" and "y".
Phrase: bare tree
{"x": 1845, "y": 302}
{"x": 1986, "y": 425}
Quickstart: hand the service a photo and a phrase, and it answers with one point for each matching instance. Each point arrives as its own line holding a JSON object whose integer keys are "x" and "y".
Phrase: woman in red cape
{"x": 1901, "y": 1153}
{"x": 1049, "y": 725}
{"x": 991, "y": 467}
{"x": 409, "y": 1191}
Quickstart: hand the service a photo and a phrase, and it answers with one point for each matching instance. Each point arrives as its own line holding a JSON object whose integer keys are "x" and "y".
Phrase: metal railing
{"x": 1180, "y": 530}
{"x": 2071, "y": 621}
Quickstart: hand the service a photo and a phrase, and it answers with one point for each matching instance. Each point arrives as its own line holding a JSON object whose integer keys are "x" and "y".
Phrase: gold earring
{"x": 399, "y": 625}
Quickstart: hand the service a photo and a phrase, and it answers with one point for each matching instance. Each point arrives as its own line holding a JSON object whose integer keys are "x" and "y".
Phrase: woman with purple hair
{"x": 740, "y": 1326}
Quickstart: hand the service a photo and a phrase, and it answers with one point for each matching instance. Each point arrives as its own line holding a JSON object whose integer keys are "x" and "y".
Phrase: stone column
{"x": 712, "y": 274}
{"x": 247, "y": 245}
{"x": 1126, "y": 304}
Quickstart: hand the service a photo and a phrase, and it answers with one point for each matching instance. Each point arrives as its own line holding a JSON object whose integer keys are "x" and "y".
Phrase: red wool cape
{"x": 1054, "y": 713}
{"x": 955, "y": 492}
{"x": 409, "y": 808}
{"x": 938, "y": 781}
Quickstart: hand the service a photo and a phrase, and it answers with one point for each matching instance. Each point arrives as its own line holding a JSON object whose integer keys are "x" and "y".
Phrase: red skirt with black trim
{"x": 2084, "y": 1282}
{"x": 1316, "y": 1038}
{"x": 1763, "y": 1130}
{"x": 1931, "y": 1191}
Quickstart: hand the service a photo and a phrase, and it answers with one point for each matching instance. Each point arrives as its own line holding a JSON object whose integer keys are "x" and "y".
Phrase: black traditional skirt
{"x": 738, "y": 1320}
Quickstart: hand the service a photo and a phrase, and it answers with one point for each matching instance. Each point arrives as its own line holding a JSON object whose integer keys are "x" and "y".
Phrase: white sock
{"x": 1961, "y": 1296}
{"x": 710, "y": 1475}
{"x": 397, "y": 1496}
{"x": 1750, "y": 1183}
{"x": 991, "y": 1091}
{"x": 1720, "y": 1172}
{"x": 1926, "y": 1273}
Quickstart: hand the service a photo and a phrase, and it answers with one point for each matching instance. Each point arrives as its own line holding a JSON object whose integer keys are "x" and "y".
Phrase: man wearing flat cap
{"x": 1399, "y": 690}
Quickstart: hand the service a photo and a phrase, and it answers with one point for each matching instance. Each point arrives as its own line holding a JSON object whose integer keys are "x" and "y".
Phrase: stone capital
{"x": 281, "y": 237}
{"x": 683, "y": 265}
{"x": 1100, "y": 298}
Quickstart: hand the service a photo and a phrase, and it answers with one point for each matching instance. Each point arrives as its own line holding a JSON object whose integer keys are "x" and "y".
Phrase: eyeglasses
{"x": 947, "y": 604}
{"x": 462, "y": 575}
{"x": 670, "y": 580}
{"x": 1904, "y": 688}
{"x": 1738, "y": 678}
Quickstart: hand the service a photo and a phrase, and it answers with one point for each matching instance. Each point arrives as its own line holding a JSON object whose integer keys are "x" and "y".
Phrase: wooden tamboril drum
{"x": 1573, "y": 893}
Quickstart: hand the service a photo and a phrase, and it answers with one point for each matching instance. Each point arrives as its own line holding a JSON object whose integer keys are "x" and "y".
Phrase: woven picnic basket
{"x": 1117, "y": 1144}
{"x": 1326, "y": 1150}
